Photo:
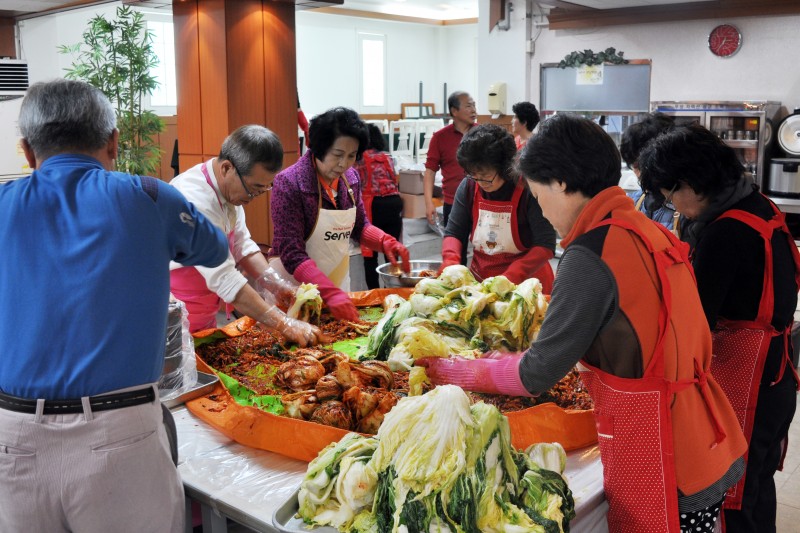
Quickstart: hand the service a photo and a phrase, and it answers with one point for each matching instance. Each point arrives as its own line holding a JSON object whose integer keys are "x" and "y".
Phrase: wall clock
{"x": 724, "y": 40}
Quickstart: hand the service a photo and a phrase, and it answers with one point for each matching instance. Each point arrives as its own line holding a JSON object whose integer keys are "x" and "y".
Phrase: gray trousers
{"x": 109, "y": 471}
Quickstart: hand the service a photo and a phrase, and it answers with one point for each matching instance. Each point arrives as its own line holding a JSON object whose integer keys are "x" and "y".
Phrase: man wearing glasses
{"x": 247, "y": 163}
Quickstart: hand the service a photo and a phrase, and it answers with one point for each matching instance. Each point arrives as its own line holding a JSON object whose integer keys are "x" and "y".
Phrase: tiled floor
{"x": 787, "y": 483}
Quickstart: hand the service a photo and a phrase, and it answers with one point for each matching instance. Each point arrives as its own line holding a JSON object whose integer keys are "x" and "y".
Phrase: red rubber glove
{"x": 451, "y": 253}
{"x": 376, "y": 239}
{"x": 493, "y": 374}
{"x": 336, "y": 299}
{"x": 526, "y": 266}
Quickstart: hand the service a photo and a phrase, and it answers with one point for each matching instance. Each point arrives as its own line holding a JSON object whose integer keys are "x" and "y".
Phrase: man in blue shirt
{"x": 84, "y": 279}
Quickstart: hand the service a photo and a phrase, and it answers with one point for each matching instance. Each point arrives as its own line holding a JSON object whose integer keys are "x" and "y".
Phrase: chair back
{"x": 401, "y": 138}
{"x": 425, "y": 130}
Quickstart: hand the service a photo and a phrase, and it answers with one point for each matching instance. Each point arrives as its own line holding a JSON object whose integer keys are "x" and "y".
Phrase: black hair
{"x": 527, "y": 114}
{"x": 338, "y": 122}
{"x": 488, "y": 146}
{"x": 376, "y": 140}
{"x": 689, "y": 154}
{"x": 250, "y": 145}
{"x": 637, "y": 135}
{"x": 454, "y": 100}
{"x": 574, "y": 151}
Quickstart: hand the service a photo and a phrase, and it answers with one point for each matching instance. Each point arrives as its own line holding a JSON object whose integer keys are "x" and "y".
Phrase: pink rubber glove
{"x": 376, "y": 239}
{"x": 336, "y": 299}
{"x": 451, "y": 253}
{"x": 493, "y": 374}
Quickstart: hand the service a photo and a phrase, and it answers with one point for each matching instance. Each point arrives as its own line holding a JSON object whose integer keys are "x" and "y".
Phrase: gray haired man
{"x": 245, "y": 168}
{"x": 84, "y": 278}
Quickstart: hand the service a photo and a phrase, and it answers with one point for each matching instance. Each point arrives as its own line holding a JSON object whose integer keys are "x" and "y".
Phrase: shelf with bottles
{"x": 742, "y": 144}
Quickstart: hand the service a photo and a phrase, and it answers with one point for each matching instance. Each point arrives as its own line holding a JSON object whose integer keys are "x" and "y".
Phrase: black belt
{"x": 97, "y": 403}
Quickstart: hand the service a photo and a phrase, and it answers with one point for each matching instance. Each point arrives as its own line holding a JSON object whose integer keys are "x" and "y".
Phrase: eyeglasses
{"x": 481, "y": 180}
{"x": 668, "y": 198}
{"x": 250, "y": 195}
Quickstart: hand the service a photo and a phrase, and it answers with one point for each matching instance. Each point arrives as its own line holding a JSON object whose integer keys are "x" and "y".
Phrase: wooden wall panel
{"x": 166, "y": 142}
{"x": 187, "y": 74}
{"x": 239, "y": 69}
{"x": 187, "y": 161}
{"x": 8, "y": 42}
{"x": 245, "y": 55}
{"x": 213, "y": 73}
{"x": 281, "y": 72}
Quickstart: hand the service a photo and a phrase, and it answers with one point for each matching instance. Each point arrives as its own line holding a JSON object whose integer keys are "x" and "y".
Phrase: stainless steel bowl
{"x": 394, "y": 277}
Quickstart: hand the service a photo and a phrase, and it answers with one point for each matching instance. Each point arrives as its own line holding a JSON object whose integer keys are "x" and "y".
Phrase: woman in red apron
{"x": 747, "y": 275}
{"x": 625, "y": 307}
{"x": 317, "y": 209}
{"x": 496, "y": 214}
{"x": 382, "y": 201}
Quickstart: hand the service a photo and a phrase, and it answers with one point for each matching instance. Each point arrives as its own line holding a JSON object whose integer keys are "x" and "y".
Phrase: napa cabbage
{"x": 424, "y": 305}
{"x": 307, "y": 304}
{"x": 499, "y": 285}
{"x": 380, "y": 338}
{"x": 439, "y": 465}
{"x": 455, "y": 276}
{"x": 339, "y": 482}
{"x": 548, "y": 455}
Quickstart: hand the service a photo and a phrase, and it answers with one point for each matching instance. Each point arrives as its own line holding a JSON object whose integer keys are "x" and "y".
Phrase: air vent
{"x": 13, "y": 76}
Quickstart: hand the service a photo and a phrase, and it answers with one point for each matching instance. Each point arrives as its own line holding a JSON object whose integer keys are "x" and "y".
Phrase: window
{"x": 165, "y": 95}
{"x": 372, "y": 48}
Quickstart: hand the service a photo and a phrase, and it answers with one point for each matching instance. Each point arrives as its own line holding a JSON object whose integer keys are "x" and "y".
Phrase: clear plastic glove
{"x": 273, "y": 283}
{"x": 296, "y": 331}
{"x": 491, "y": 375}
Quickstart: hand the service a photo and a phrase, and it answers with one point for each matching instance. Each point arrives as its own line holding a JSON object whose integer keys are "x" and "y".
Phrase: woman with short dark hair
{"x": 524, "y": 121}
{"x": 747, "y": 267}
{"x": 317, "y": 208}
{"x": 497, "y": 214}
{"x": 381, "y": 197}
{"x": 634, "y": 139}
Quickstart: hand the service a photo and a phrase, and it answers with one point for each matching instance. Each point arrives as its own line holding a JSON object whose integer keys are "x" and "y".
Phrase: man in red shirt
{"x": 442, "y": 153}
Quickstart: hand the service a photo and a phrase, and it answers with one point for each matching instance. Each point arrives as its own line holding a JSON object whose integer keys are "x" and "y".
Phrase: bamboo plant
{"x": 117, "y": 56}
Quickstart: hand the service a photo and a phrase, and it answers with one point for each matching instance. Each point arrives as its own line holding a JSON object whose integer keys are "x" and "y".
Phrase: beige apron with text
{"x": 329, "y": 245}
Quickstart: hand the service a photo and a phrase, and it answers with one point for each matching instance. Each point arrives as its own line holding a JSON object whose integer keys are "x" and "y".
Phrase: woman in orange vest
{"x": 624, "y": 308}
{"x": 747, "y": 267}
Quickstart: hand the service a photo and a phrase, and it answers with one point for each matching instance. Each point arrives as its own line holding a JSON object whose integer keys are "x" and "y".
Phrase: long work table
{"x": 248, "y": 486}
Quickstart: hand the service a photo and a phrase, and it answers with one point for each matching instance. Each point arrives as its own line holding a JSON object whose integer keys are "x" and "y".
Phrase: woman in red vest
{"x": 624, "y": 308}
{"x": 497, "y": 214}
{"x": 746, "y": 265}
{"x": 381, "y": 197}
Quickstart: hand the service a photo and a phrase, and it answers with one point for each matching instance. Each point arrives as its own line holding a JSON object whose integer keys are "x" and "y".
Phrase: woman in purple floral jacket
{"x": 317, "y": 208}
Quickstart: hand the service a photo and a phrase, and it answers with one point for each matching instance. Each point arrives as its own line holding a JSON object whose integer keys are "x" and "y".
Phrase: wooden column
{"x": 8, "y": 42}
{"x": 235, "y": 65}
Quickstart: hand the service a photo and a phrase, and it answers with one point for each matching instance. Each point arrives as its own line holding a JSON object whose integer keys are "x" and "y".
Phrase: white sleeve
{"x": 243, "y": 244}
{"x": 225, "y": 280}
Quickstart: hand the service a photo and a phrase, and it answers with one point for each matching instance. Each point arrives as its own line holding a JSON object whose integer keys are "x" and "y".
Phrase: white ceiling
{"x": 432, "y": 9}
{"x": 460, "y": 9}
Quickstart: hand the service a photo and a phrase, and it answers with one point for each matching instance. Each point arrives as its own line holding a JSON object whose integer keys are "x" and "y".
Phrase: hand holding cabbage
{"x": 497, "y": 373}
